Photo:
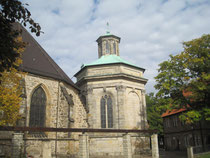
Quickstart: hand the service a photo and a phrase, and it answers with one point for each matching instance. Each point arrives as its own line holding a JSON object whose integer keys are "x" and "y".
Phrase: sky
{"x": 150, "y": 30}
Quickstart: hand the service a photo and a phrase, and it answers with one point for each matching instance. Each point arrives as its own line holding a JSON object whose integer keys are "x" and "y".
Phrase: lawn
{"x": 204, "y": 156}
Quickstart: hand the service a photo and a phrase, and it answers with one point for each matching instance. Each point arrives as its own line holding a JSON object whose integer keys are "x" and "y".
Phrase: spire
{"x": 107, "y": 29}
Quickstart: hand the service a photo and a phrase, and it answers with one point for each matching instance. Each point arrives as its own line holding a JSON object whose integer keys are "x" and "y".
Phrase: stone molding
{"x": 121, "y": 88}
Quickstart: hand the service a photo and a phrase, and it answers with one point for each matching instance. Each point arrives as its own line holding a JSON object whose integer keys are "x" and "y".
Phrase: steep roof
{"x": 111, "y": 59}
{"x": 37, "y": 61}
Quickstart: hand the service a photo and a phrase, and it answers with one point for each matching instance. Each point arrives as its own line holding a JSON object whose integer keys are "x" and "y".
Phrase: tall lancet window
{"x": 106, "y": 112}
{"x": 107, "y": 47}
{"x": 114, "y": 48}
{"x": 38, "y": 108}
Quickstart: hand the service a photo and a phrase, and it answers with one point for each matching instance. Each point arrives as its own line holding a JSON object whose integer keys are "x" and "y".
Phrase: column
{"x": 46, "y": 149}
{"x": 190, "y": 152}
{"x": 155, "y": 149}
{"x": 17, "y": 145}
{"x": 127, "y": 146}
{"x": 83, "y": 146}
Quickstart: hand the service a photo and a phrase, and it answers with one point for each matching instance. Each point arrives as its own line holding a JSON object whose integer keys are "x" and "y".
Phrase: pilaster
{"x": 91, "y": 107}
{"x": 83, "y": 146}
{"x": 17, "y": 145}
{"x": 155, "y": 150}
{"x": 120, "y": 106}
{"x": 127, "y": 146}
{"x": 144, "y": 112}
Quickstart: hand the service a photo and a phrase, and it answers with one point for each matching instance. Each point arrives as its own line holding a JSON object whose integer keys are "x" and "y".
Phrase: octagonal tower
{"x": 113, "y": 89}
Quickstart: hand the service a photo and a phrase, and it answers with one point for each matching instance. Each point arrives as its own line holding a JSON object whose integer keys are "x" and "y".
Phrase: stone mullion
{"x": 106, "y": 112}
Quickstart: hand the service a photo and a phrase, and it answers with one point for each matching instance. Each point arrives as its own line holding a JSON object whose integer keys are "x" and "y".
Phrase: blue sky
{"x": 150, "y": 30}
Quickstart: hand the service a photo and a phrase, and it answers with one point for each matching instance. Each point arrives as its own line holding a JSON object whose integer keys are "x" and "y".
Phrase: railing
{"x": 81, "y": 130}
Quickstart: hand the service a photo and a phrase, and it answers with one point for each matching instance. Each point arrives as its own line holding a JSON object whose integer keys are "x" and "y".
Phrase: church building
{"x": 113, "y": 89}
{"x": 109, "y": 93}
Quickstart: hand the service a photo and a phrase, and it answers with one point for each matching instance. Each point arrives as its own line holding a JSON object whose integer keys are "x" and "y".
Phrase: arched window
{"x": 38, "y": 108}
{"x": 107, "y": 47}
{"x": 106, "y": 112}
{"x": 114, "y": 48}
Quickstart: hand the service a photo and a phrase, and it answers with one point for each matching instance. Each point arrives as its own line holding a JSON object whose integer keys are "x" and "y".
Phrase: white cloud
{"x": 149, "y": 30}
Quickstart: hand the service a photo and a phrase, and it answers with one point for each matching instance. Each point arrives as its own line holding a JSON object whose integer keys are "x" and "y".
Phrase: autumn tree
{"x": 185, "y": 79}
{"x": 12, "y": 11}
{"x": 11, "y": 90}
{"x": 11, "y": 47}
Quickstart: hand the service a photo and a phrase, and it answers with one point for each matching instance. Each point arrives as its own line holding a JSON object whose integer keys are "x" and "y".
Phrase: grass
{"x": 204, "y": 156}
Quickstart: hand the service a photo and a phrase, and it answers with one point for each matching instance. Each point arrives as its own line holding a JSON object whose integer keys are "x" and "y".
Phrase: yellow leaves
{"x": 10, "y": 99}
{"x": 11, "y": 90}
{"x": 186, "y": 78}
{"x": 19, "y": 50}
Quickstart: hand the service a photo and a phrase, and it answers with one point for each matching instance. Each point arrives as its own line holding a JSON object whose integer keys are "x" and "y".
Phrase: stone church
{"x": 109, "y": 93}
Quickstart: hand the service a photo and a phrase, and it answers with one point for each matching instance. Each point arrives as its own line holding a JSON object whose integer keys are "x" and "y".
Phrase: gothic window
{"x": 114, "y": 48}
{"x": 109, "y": 111}
{"x": 106, "y": 112}
{"x": 38, "y": 108}
{"x": 107, "y": 47}
{"x": 103, "y": 113}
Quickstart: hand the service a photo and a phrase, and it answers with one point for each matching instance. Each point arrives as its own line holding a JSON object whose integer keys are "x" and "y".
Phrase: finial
{"x": 107, "y": 31}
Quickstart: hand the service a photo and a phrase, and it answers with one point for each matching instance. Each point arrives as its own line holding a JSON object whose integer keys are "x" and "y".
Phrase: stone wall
{"x": 129, "y": 108}
{"x": 5, "y": 143}
{"x": 110, "y": 70}
{"x": 59, "y": 114}
{"x": 106, "y": 146}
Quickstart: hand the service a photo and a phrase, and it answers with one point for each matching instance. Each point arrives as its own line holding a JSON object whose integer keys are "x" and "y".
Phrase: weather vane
{"x": 107, "y": 31}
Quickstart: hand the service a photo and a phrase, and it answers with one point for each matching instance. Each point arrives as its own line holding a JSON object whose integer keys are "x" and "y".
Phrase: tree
{"x": 185, "y": 80}
{"x": 155, "y": 108}
{"x": 11, "y": 90}
{"x": 12, "y": 11}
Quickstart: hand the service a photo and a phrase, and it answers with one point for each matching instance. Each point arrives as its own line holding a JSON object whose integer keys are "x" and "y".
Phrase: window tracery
{"x": 38, "y": 108}
{"x": 106, "y": 112}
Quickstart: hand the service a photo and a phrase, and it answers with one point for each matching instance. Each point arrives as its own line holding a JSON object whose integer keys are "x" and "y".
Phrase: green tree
{"x": 155, "y": 108}
{"x": 185, "y": 80}
{"x": 12, "y": 11}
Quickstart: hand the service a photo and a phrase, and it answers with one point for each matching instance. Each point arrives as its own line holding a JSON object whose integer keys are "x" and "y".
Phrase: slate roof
{"x": 37, "y": 61}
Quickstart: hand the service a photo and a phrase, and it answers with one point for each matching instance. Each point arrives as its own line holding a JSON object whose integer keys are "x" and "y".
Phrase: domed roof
{"x": 110, "y": 59}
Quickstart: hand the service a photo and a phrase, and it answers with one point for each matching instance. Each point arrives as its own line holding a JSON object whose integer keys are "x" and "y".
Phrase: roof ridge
{"x": 55, "y": 70}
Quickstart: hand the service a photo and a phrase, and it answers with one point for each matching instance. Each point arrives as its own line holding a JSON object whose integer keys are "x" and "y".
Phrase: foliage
{"x": 185, "y": 79}
{"x": 10, "y": 90}
{"x": 150, "y": 99}
{"x": 12, "y": 11}
{"x": 155, "y": 109}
